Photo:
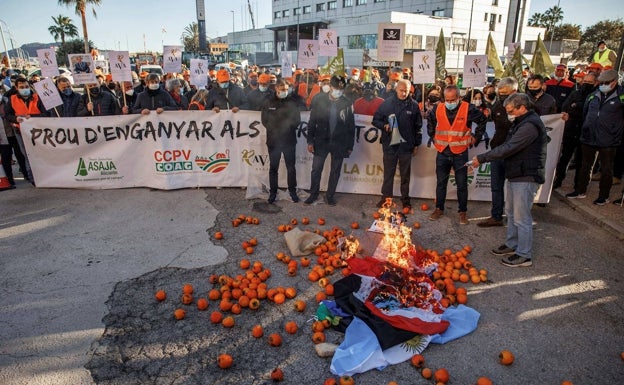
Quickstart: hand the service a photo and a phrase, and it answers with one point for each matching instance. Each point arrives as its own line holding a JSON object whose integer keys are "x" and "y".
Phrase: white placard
{"x": 172, "y": 58}
{"x": 286, "y": 61}
{"x": 47, "y": 62}
{"x": 475, "y": 71}
{"x": 81, "y": 66}
{"x": 120, "y": 66}
{"x": 308, "y": 54}
{"x": 199, "y": 72}
{"x": 328, "y": 42}
{"x": 424, "y": 67}
{"x": 49, "y": 94}
{"x": 390, "y": 41}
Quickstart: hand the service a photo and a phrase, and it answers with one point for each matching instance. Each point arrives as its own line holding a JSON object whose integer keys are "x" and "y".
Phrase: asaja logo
{"x": 215, "y": 163}
{"x": 99, "y": 166}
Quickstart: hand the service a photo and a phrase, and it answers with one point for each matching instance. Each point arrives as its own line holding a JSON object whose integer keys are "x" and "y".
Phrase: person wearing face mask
{"x": 322, "y": 86}
{"x": 524, "y": 156}
{"x": 298, "y": 100}
{"x": 252, "y": 82}
{"x": 331, "y": 131}
{"x": 601, "y": 134}
{"x": 369, "y": 102}
{"x": 70, "y": 99}
{"x": 433, "y": 98}
{"x": 559, "y": 87}
{"x": 572, "y": 114}
{"x": 154, "y": 98}
{"x": 544, "y": 104}
{"x": 127, "y": 97}
{"x": 476, "y": 98}
{"x": 281, "y": 118}
{"x": 450, "y": 126}
{"x": 355, "y": 76}
{"x": 400, "y": 123}
{"x": 23, "y": 104}
{"x": 96, "y": 102}
{"x": 257, "y": 97}
{"x": 502, "y": 124}
{"x": 389, "y": 90}
{"x": 174, "y": 87}
{"x": 226, "y": 96}
{"x": 489, "y": 93}
{"x": 603, "y": 56}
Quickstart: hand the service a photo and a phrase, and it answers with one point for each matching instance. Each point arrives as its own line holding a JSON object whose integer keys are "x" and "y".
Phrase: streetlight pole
{"x": 4, "y": 42}
{"x": 458, "y": 42}
{"x": 232, "y": 30}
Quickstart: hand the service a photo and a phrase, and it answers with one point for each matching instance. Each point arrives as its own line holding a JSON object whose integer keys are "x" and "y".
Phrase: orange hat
{"x": 223, "y": 76}
{"x": 252, "y": 75}
{"x": 143, "y": 74}
{"x": 580, "y": 74}
{"x": 607, "y": 68}
{"x": 406, "y": 70}
{"x": 264, "y": 79}
{"x": 395, "y": 76}
{"x": 289, "y": 80}
{"x": 355, "y": 71}
{"x": 596, "y": 66}
{"x": 324, "y": 77}
{"x": 212, "y": 73}
{"x": 298, "y": 72}
{"x": 109, "y": 78}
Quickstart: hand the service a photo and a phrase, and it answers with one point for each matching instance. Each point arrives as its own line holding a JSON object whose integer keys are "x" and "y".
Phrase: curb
{"x": 614, "y": 227}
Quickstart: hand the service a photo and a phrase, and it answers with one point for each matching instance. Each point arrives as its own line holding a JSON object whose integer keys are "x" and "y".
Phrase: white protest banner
{"x": 172, "y": 58}
{"x": 328, "y": 42}
{"x": 390, "y": 41}
{"x": 308, "y": 54}
{"x": 49, "y": 94}
{"x": 424, "y": 67}
{"x": 199, "y": 72}
{"x": 286, "y": 61}
{"x": 82, "y": 68}
{"x": 120, "y": 66}
{"x": 475, "y": 71}
{"x": 47, "y": 62}
{"x": 178, "y": 149}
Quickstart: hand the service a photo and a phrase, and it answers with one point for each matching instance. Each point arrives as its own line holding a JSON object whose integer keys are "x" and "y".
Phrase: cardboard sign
{"x": 475, "y": 71}
{"x": 424, "y": 67}
{"x": 390, "y": 41}
{"x": 308, "y": 54}
{"x": 120, "y": 66}
{"x": 172, "y": 58}
{"x": 47, "y": 62}
{"x": 328, "y": 42}
{"x": 49, "y": 94}
{"x": 81, "y": 66}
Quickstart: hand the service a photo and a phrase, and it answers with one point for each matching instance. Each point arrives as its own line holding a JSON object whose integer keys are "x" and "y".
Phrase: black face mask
{"x": 502, "y": 98}
{"x": 587, "y": 88}
{"x": 491, "y": 95}
{"x": 95, "y": 91}
{"x": 433, "y": 99}
{"x": 534, "y": 93}
{"x": 111, "y": 86}
{"x": 368, "y": 95}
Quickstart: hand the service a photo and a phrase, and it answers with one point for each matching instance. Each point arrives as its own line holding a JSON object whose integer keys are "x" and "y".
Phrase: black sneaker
{"x": 503, "y": 250}
{"x": 575, "y": 195}
{"x": 330, "y": 201}
{"x": 311, "y": 199}
{"x": 516, "y": 261}
{"x": 272, "y": 197}
{"x": 618, "y": 202}
{"x": 294, "y": 197}
{"x": 601, "y": 201}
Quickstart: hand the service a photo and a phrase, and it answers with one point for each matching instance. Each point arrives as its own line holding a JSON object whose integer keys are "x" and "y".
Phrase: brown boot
{"x": 436, "y": 214}
{"x": 490, "y": 222}
{"x": 463, "y": 218}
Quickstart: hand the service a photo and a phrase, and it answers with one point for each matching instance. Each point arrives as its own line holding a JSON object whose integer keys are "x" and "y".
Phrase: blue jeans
{"x": 446, "y": 160}
{"x": 520, "y": 197}
{"x": 497, "y": 186}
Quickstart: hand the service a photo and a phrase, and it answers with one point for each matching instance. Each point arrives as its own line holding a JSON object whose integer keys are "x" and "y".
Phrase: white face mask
{"x": 511, "y": 118}
{"x": 263, "y": 88}
{"x": 336, "y": 94}
{"x": 282, "y": 94}
{"x": 326, "y": 88}
{"x": 355, "y": 77}
{"x": 130, "y": 92}
{"x": 154, "y": 86}
{"x": 477, "y": 102}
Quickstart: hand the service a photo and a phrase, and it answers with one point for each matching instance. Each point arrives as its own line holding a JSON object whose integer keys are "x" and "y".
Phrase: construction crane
{"x": 253, "y": 23}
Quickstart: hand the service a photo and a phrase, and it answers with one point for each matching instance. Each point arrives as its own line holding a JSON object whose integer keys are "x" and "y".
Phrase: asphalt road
{"x": 73, "y": 261}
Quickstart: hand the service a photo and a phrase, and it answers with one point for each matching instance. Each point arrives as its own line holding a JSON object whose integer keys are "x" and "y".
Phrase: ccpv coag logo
{"x": 214, "y": 163}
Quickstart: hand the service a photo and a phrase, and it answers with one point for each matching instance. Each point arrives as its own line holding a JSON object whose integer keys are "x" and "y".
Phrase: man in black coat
{"x": 331, "y": 130}
{"x": 400, "y": 122}
{"x": 281, "y": 117}
{"x": 154, "y": 98}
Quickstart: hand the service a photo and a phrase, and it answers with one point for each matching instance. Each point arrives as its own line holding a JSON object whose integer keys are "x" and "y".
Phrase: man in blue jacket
{"x": 524, "y": 158}
{"x": 602, "y": 134}
{"x": 400, "y": 122}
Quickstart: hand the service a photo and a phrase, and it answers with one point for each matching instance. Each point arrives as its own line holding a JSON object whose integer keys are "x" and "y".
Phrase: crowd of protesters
{"x": 589, "y": 98}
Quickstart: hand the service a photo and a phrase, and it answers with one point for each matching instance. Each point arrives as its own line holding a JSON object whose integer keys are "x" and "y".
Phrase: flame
{"x": 397, "y": 238}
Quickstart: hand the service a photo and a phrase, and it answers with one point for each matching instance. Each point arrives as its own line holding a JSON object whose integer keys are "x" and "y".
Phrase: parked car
{"x": 63, "y": 71}
{"x": 152, "y": 69}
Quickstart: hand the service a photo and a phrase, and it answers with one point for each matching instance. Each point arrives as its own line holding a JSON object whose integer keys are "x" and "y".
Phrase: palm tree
{"x": 63, "y": 27}
{"x": 81, "y": 9}
{"x": 537, "y": 20}
{"x": 190, "y": 37}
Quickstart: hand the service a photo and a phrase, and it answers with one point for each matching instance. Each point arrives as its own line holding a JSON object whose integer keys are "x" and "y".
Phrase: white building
{"x": 356, "y": 24}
